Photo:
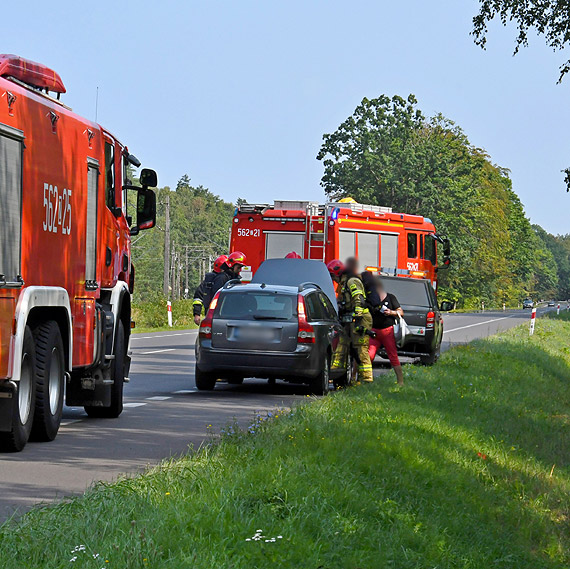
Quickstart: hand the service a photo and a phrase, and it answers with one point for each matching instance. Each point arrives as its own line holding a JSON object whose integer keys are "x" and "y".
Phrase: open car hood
{"x": 293, "y": 272}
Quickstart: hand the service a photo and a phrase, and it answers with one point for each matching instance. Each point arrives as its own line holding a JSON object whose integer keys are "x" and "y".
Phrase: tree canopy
{"x": 549, "y": 18}
{"x": 388, "y": 153}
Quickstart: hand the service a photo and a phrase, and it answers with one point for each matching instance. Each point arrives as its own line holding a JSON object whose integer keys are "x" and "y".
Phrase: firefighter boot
{"x": 399, "y": 374}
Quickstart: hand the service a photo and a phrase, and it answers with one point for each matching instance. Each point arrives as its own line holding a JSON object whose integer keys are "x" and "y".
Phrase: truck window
{"x": 109, "y": 175}
{"x": 430, "y": 248}
{"x": 11, "y": 192}
{"x": 278, "y": 244}
{"x": 367, "y": 250}
{"x": 412, "y": 245}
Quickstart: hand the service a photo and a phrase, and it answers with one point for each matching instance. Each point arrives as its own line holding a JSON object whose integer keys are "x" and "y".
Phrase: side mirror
{"x": 146, "y": 210}
{"x": 445, "y": 305}
{"x": 148, "y": 178}
{"x": 446, "y": 249}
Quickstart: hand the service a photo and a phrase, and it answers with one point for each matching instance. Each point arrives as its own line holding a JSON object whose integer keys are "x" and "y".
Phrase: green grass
{"x": 151, "y": 315}
{"x": 466, "y": 467}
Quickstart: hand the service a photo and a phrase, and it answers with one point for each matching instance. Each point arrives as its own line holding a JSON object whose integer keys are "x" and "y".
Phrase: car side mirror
{"x": 146, "y": 210}
{"x": 446, "y": 305}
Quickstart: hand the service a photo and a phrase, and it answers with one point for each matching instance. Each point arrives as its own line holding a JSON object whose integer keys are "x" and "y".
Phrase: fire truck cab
{"x": 383, "y": 241}
{"x": 65, "y": 261}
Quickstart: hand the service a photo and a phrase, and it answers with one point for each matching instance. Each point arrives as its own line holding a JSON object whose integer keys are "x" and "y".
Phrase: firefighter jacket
{"x": 352, "y": 296}
{"x": 203, "y": 295}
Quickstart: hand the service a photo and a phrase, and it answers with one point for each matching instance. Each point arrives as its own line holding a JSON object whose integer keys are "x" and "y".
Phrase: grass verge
{"x": 467, "y": 466}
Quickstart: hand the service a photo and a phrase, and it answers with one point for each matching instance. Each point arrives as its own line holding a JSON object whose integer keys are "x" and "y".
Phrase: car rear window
{"x": 254, "y": 305}
{"x": 408, "y": 292}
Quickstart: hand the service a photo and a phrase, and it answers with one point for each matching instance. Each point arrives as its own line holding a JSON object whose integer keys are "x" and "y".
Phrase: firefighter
{"x": 231, "y": 271}
{"x": 203, "y": 295}
{"x": 355, "y": 314}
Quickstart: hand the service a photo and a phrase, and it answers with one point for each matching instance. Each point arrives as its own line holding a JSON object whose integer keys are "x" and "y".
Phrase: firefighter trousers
{"x": 357, "y": 342}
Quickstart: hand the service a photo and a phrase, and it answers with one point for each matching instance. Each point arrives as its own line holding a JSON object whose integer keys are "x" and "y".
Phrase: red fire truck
{"x": 65, "y": 261}
{"x": 385, "y": 242}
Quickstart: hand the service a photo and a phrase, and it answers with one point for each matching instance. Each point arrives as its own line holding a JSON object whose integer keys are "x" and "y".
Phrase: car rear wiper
{"x": 267, "y": 317}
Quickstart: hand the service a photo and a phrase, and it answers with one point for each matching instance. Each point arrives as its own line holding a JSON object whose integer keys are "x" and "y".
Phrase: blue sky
{"x": 238, "y": 94}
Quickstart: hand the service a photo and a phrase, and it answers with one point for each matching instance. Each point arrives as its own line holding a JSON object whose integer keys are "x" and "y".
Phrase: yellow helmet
{"x": 347, "y": 200}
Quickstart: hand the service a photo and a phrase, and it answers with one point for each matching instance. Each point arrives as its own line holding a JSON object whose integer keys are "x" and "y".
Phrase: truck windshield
{"x": 254, "y": 305}
{"x": 409, "y": 292}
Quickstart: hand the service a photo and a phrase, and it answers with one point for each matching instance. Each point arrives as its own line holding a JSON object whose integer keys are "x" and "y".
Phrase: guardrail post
{"x": 532, "y": 320}
{"x": 169, "y": 309}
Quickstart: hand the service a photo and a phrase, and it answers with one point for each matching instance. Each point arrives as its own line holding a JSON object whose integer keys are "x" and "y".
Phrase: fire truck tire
{"x": 23, "y": 400}
{"x": 205, "y": 381}
{"x": 116, "y": 407}
{"x": 50, "y": 381}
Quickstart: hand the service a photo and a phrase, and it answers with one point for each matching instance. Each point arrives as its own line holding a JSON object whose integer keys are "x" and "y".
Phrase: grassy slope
{"x": 467, "y": 467}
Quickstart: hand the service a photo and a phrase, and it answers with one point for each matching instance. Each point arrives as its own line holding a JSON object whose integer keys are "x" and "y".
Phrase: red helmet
{"x": 219, "y": 262}
{"x": 336, "y": 267}
{"x": 293, "y": 255}
{"x": 236, "y": 258}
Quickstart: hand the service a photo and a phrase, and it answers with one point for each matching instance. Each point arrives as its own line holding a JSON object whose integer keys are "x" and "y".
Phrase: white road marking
{"x": 70, "y": 422}
{"x": 476, "y": 324}
{"x": 156, "y": 351}
{"x": 132, "y": 405}
{"x": 158, "y": 398}
{"x": 184, "y": 391}
{"x": 163, "y": 335}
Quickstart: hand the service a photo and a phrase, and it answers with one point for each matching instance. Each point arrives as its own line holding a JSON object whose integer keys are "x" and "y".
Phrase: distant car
{"x": 528, "y": 303}
{"x": 276, "y": 331}
{"x": 422, "y": 315}
{"x": 551, "y": 303}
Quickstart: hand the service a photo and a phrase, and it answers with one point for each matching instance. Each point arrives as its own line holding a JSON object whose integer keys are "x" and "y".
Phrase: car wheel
{"x": 205, "y": 381}
{"x": 116, "y": 407}
{"x": 347, "y": 378}
{"x": 23, "y": 400}
{"x": 50, "y": 381}
{"x": 320, "y": 384}
{"x": 431, "y": 359}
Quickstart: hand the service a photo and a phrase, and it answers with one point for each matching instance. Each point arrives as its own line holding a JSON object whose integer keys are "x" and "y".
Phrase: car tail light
{"x": 306, "y": 334}
{"x": 430, "y": 319}
{"x": 206, "y": 324}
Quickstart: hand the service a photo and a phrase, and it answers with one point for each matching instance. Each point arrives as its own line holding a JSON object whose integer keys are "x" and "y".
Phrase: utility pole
{"x": 186, "y": 287}
{"x": 166, "y": 278}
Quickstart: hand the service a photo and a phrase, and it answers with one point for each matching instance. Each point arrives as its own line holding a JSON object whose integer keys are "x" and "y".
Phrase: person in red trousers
{"x": 383, "y": 320}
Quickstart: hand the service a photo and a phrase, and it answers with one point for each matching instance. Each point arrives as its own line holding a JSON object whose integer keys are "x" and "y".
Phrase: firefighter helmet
{"x": 236, "y": 258}
{"x": 293, "y": 255}
{"x": 336, "y": 267}
{"x": 218, "y": 263}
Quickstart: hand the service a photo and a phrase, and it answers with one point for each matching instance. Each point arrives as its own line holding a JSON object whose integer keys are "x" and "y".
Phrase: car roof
{"x": 294, "y": 272}
{"x": 240, "y": 287}
{"x": 407, "y": 279}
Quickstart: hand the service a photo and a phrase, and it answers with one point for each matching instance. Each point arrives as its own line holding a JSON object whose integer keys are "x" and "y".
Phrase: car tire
{"x": 23, "y": 400}
{"x": 205, "y": 381}
{"x": 50, "y": 381}
{"x": 347, "y": 378}
{"x": 116, "y": 406}
{"x": 432, "y": 358}
{"x": 320, "y": 384}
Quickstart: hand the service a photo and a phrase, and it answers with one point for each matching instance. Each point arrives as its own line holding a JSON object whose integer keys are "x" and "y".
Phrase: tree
{"x": 388, "y": 153}
{"x": 550, "y": 18}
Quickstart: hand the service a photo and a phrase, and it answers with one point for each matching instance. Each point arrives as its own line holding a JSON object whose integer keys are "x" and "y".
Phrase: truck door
{"x": 11, "y": 150}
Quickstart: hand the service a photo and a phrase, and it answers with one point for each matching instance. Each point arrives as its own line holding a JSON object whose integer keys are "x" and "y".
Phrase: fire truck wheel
{"x": 205, "y": 381}
{"x": 50, "y": 381}
{"x": 116, "y": 407}
{"x": 23, "y": 400}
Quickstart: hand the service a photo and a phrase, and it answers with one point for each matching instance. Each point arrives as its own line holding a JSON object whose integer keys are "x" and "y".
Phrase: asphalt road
{"x": 165, "y": 415}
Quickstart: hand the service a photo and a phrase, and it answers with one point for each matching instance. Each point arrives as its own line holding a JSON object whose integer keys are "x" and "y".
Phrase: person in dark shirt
{"x": 383, "y": 320}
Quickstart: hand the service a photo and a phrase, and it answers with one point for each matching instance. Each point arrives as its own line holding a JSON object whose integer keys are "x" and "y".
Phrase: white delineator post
{"x": 532, "y": 320}
{"x": 504, "y": 307}
{"x": 558, "y": 309}
{"x": 169, "y": 309}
